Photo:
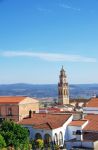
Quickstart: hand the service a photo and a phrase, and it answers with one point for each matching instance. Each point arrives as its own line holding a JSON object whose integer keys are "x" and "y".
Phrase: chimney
{"x": 82, "y": 115}
{"x": 34, "y": 112}
{"x": 30, "y": 113}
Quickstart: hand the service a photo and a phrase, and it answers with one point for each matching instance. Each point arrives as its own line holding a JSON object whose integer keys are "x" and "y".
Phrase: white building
{"x": 75, "y": 126}
{"x": 49, "y": 127}
{"x": 83, "y": 135}
{"x": 91, "y": 107}
{"x": 61, "y": 129}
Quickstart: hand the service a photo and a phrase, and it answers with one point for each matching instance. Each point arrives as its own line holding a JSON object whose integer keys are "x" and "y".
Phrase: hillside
{"x": 48, "y": 90}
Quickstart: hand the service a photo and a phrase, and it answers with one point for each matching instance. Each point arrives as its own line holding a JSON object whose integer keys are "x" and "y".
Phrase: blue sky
{"x": 37, "y": 37}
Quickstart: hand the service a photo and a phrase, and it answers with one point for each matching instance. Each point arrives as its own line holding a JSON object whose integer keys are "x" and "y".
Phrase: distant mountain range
{"x": 47, "y": 90}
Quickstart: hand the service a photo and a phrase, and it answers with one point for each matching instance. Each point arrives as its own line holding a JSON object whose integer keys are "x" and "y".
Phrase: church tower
{"x": 63, "y": 89}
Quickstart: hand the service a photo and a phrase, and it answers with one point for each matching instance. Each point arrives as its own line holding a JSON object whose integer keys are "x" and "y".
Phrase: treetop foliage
{"x": 14, "y": 134}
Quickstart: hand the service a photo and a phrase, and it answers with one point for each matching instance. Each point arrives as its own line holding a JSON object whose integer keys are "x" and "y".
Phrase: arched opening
{"x": 64, "y": 92}
{"x": 38, "y": 136}
{"x": 59, "y": 92}
{"x": 56, "y": 139}
{"x": 47, "y": 139}
{"x": 61, "y": 139}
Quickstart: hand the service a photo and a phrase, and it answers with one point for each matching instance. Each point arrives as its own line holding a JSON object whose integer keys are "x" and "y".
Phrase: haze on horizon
{"x": 37, "y": 37}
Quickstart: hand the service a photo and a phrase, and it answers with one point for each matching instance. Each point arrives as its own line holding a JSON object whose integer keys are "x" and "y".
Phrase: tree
{"x": 14, "y": 134}
{"x": 2, "y": 142}
{"x": 40, "y": 143}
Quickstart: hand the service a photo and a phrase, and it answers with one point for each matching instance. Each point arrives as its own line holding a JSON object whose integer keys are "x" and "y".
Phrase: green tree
{"x": 33, "y": 144}
{"x": 40, "y": 143}
{"x": 2, "y": 142}
{"x": 14, "y": 134}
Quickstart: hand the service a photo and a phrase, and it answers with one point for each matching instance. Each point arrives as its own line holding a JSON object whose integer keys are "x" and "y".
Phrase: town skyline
{"x": 38, "y": 37}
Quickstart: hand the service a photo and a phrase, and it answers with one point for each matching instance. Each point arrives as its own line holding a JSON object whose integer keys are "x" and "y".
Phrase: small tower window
{"x": 64, "y": 92}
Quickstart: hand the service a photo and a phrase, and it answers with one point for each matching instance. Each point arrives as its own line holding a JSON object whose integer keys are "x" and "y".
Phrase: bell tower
{"x": 63, "y": 89}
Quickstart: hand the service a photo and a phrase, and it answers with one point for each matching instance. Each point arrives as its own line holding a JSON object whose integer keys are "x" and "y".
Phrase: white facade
{"x": 57, "y": 135}
{"x": 64, "y": 135}
{"x": 90, "y": 110}
{"x": 71, "y": 130}
{"x": 86, "y": 144}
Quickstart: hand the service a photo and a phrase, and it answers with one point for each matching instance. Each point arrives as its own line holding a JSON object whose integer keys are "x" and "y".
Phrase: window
{"x": 64, "y": 92}
{"x": 10, "y": 111}
{"x": 56, "y": 139}
{"x": 47, "y": 138}
{"x": 60, "y": 138}
{"x": 78, "y": 132}
{"x": 74, "y": 132}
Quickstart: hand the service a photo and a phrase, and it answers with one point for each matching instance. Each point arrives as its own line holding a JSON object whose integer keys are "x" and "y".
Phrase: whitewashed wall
{"x": 96, "y": 145}
{"x": 86, "y": 144}
{"x": 90, "y": 110}
{"x": 52, "y": 132}
{"x": 62, "y": 129}
{"x": 71, "y": 129}
{"x": 34, "y": 131}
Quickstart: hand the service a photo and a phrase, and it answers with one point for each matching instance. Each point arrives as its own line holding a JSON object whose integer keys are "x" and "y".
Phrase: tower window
{"x": 64, "y": 92}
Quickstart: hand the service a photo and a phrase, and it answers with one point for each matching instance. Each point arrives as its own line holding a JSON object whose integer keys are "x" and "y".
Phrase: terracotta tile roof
{"x": 46, "y": 126}
{"x": 79, "y": 100}
{"x": 42, "y": 120}
{"x": 11, "y": 99}
{"x": 77, "y": 122}
{"x": 90, "y": 136}
{"x": 91, "y": 116}
{"x": 92, "y": 103}
{"x": 87, "y": 137}
{"x": 92, "y": 124}
{"x": 51, "y": 110}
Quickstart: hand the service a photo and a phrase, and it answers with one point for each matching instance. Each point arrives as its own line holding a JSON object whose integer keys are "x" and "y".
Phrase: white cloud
{"x": 49, "y": 56}
{"x": 69, "y": 7}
